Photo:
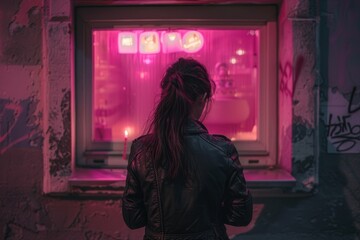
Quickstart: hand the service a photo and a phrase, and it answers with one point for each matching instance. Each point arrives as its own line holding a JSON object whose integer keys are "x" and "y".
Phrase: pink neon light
{"x": 171, "y": 42}
{"x": 233, "y": 60}
{"x": 127, "y": 42}
{"x": 240, "y": 52}
{"x": 149, "y": 42}
{"x": 193, "y": 41}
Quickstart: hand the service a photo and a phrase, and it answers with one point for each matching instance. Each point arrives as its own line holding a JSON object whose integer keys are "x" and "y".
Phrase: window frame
{"x": 260, "y": 153}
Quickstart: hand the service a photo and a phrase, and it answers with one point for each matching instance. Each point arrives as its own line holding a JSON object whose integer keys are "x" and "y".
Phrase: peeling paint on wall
{"x": 304, "y": 162}
{"x": 21, "y": 19}
{"x": 301, "y": 129}
{"x": 60, "y": 163}
{"x": 25, "y": 23}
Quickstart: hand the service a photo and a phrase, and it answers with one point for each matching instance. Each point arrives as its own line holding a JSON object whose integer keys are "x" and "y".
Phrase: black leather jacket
{"x": 188, "y": 209}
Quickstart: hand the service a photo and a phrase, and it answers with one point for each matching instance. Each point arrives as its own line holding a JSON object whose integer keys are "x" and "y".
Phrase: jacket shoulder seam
{"x": 214, "y": 145}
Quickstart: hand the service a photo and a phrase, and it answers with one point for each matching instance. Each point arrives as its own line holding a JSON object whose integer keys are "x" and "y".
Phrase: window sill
{"x": 88, "y": 182}
{"x": 269, "y": 178}
{"x": 110, "y": 181}
{"x": 90, "y": 176}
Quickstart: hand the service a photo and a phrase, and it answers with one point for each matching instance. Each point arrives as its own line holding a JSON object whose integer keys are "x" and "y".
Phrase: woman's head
{"x": 185, "y": 90}
{"x": 189, "y": 80}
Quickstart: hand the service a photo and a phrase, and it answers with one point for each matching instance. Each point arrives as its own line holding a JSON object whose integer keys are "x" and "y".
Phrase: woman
{"x": 182, "y": 182}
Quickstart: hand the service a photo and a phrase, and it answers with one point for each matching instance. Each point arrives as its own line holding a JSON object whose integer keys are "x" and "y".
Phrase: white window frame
{"x": 260, "y": 153}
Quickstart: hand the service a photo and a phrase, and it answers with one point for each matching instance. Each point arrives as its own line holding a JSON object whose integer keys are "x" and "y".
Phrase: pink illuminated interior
{"x": 128, "y": 65}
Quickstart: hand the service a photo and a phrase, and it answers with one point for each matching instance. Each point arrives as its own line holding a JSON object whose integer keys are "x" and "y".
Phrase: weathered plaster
{"x": 343, "y": 61}
{"x": 60, "y": 164}
{"x": 59, "y": 10}
{"x": 57, "y": 153}
{"x": 21, "y": 20}
{"x": 22, "y": 17}
{"x": 26, "y": 213}
{"x": 297, "y": 54}
{"x": 26, "y": 80}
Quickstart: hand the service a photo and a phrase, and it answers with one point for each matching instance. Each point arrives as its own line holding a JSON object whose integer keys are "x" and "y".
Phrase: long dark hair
{"x": 183, "y": 83}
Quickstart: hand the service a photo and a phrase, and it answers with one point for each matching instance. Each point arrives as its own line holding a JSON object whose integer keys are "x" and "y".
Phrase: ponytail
{"x": 182, "y": 84}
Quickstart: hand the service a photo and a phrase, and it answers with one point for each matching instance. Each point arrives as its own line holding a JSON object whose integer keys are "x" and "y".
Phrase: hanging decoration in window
{"x": 127, "y": 42}
{"x": 193, "y": 41}
{"x": 149, "y": 42}
{"x": 171, "y": 42}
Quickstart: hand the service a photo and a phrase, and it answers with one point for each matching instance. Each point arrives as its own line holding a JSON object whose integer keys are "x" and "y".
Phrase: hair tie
{"x": 175, "y": 80}
{"x": 175, "y": 84}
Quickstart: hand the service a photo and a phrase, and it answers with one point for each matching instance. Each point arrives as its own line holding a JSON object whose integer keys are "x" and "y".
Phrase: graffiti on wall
{"x": 287, "y": 87}
{"x": 18, "y": 124}
{"x": 343, "y": 123}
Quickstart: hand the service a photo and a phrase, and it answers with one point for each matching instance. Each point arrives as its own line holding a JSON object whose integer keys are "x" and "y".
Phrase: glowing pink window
{"x": 126, "y": 86}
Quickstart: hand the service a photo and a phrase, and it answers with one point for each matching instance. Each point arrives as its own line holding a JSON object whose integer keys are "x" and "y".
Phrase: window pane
{"x": 128, "y": 65}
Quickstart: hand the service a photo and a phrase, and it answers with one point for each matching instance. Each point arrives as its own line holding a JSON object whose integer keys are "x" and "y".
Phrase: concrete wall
{"x": 296, "y": 85}
{"x": 35, "y": 129}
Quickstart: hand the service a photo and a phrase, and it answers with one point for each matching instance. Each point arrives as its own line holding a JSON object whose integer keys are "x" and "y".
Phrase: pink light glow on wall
{"x": 126, "y": 86}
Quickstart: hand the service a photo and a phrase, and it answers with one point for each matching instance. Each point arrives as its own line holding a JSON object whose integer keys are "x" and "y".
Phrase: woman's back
{"x": 183, "y": 183}
{"x": 195, "y": 206}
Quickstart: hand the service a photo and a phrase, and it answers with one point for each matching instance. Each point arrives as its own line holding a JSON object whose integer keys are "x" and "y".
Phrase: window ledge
{"x": 269, "y": 178}
{"x": 103, "y": 183}
{"x": 85, "y": 177}
{"x": 115, "y": 178}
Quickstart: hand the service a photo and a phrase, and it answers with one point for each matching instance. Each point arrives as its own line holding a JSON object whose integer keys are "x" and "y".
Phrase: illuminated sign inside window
{"x": 193, "y": 41}
{"x": 127, "y": 42}
{"x": 171, "y": 42}
{"x": 149, "y": 42}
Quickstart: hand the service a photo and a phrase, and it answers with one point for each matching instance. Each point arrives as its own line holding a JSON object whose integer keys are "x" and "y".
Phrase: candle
{"x": 126, "y": 133}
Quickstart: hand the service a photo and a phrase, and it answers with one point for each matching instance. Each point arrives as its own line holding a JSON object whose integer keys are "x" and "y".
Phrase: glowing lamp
{"x": 233, "y": 60}
{"x": 149, "y": 42}
{"x": 127, "y": 42}
{"x": 126, "y": 133}
{"x": 193, "y": 41}
{"x": 240, "y": 52}
{"x": 171, "y": 42}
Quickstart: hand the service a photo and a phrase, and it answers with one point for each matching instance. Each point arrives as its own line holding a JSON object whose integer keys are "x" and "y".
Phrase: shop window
{"x": 123, "y": 51}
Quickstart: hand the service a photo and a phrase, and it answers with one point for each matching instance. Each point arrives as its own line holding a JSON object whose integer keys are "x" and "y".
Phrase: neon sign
{"x": 193, "y": 41}
{"x": 149, "y": 42}
{"x": 127, "y": 42}
{"x": 171, "y": 42}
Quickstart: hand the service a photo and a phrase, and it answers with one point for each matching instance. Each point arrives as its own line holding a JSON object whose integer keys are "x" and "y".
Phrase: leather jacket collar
{"x": 194, "y": 127}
